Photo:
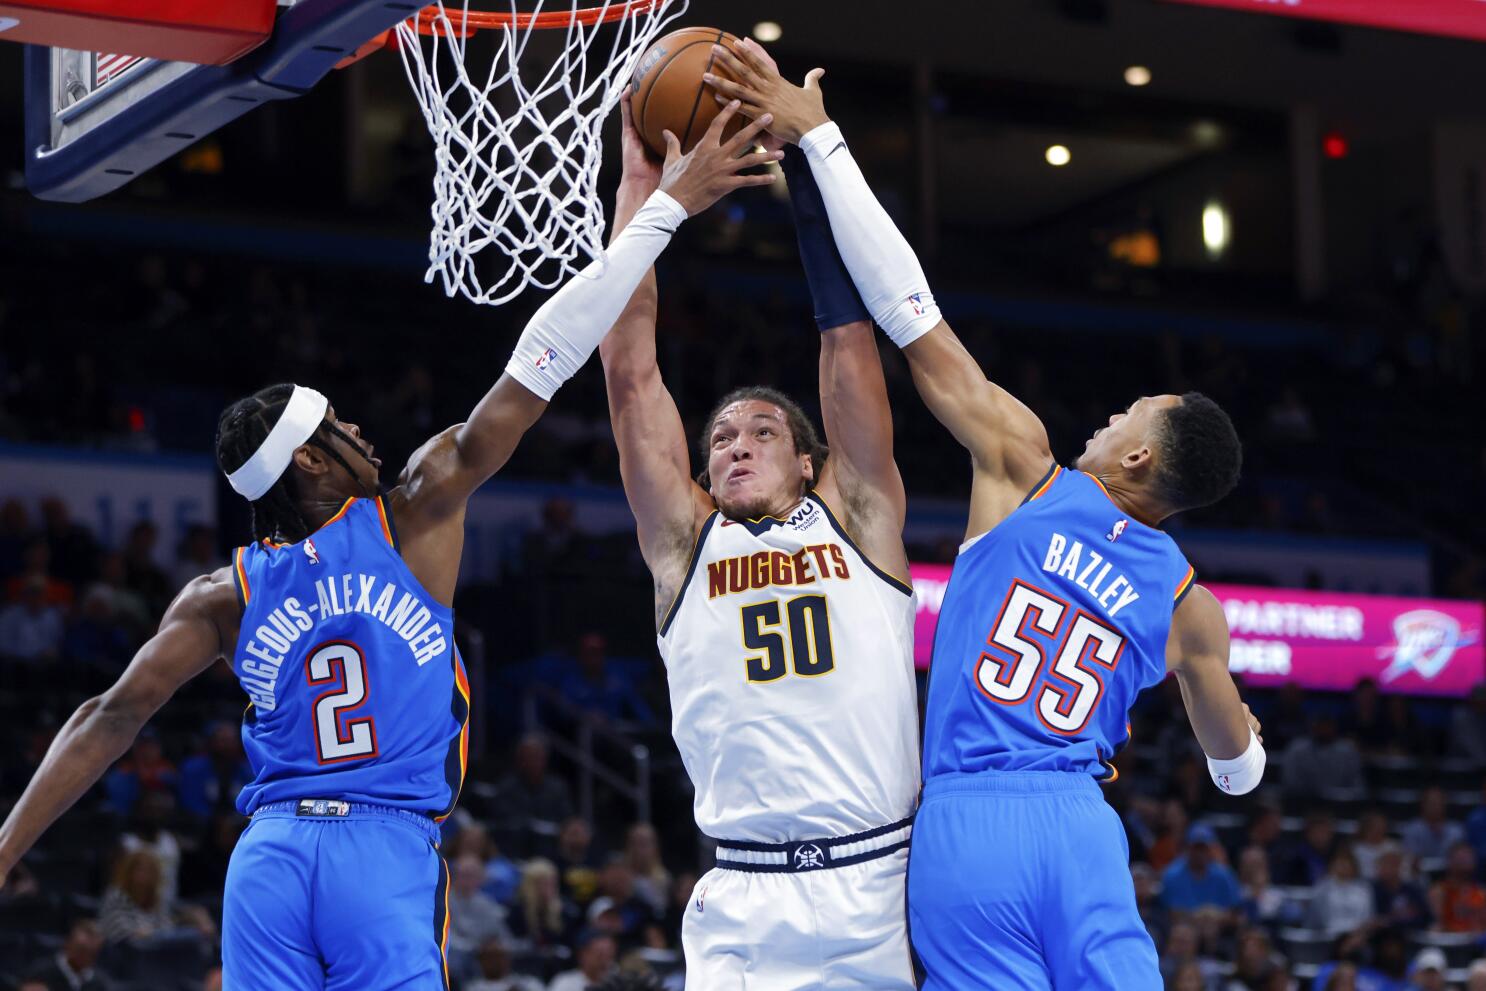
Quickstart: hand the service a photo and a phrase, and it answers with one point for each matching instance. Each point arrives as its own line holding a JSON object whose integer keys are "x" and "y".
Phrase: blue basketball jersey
{"x": 1052, "y": 624}
{"x": 356, "y": 690}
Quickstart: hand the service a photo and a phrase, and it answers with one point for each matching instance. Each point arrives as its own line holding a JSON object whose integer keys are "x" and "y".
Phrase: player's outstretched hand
{"x": 754, "y": 80}
{"x": 640, "y": 167}
{"x": 1254, "y": 723}
{"x": 715, "y": 167}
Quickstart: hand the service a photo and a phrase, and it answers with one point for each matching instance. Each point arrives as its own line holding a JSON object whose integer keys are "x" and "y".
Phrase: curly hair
{"x": 1200, "y": 454}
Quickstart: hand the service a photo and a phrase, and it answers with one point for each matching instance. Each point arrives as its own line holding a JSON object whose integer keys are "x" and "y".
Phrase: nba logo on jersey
{"x": 917, "y": 301}
{"x": 1119, "y": 528}
{"x": 310, "y": 551}
{"x": 546, "y": 358}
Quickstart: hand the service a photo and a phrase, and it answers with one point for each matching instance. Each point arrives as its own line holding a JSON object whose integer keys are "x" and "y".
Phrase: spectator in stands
{"x": 474, "y": 917}
{"x": 148, "y": 832}
{"x": 1468, "y": 727}
{"x": 1290, "y": 717}
{"x": 1322, "y": 763}
{"x": 1256, "y": 963}
{"x": 1457, "y": 900}
{"x": 195, "y": 555}
{"x": 553, "y": 543}
{"x": 1364, "y": 719}
{"x": 1432, "y": 834}
{"x": 592, "y": 687}
{"x": 204, "y": 867}
{"x": 209, "y": 782}
{"x": 542, "y": 918}
{"x": 1260, "y": 901}
{"x": 1343, "y": 977}
{"x": 141, "y": 573}
{"x": 1147, "y": 886}
{"x": 1266, "y": 831}
{"x": 1168, "y": 843}
{"x": 642, "y": 856}
{"x": 682, "y": 888}
{"x": 533, "y": 800}
{"x": 36, "y": 570}
{"x": 15, "y": 534}
{"x": 502, "y": 876}
{"x": 1475, "y": 826}
{"x": 75, "y": 966}
{"x": 1406, "y": 734}
{"x": 493, "y": 971}
{"x": 1187, "y": 977}
{"x": 1372, "y": 841}
{"x": 31, "y": 629}
{"x": 133, "y": 911}
{"x": 129, "y": 606}
{"x": 595, "y": 957}
{"x": 1341, "y": 902}
{"x": 1427, "y": 973}
{"x": 577, "y": 864}
{"x": 1306, "y": 860}
{"x": 145, "y": 769}
{"x": 1397, "y": 901}
{"x": 74, "y": 552}
{"x": 1197, "y": 878}
{"x": 617, "y": 885}
{"x": 1475, "y": 976}
{"x": 1182, "y": 951}
{"x": 95, "y": 636}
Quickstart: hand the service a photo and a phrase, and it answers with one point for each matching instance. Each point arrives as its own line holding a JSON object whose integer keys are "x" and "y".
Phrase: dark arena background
{"x": 1112, "y": 198}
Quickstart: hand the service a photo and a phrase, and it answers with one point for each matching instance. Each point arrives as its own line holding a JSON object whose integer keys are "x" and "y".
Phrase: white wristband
{"x": 1243, "y": 773}
{"x": 561, "y": 336}
{"x": 882, "y": 264}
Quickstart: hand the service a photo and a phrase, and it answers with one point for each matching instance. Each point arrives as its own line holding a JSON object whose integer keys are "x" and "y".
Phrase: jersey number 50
{"x": 340, "y": 665}
{"x": 1073, "y": 687}
{"x": 809, "y": 638}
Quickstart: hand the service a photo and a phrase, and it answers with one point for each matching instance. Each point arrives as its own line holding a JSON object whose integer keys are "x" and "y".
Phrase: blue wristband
{"x": 836, "y": 299}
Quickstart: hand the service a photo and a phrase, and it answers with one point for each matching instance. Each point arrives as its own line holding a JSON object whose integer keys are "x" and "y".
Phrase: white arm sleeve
{"x": 886, "y": 271}
{"x": 562, "y": 335}
{"x": 1243, "y": 773}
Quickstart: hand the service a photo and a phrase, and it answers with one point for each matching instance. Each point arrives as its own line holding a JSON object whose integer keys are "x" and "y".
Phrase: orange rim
{"x": 466, "y": 23}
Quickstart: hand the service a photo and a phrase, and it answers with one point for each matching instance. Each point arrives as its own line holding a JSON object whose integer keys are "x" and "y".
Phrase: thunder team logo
{"x": 1425, "y": 642}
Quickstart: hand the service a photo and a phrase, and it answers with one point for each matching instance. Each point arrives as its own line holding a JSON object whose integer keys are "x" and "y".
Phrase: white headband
{"x": 301, "y": 418}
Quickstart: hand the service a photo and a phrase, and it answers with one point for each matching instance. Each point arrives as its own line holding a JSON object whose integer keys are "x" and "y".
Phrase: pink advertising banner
{"x": 1322, "y": 640}
{"x": 1460, "y": 18}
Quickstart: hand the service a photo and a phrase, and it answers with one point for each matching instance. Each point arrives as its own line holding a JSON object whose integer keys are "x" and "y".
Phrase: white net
{"x": 518, "y": 146}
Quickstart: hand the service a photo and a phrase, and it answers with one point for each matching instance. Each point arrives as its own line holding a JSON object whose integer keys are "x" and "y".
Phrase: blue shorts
{"x": 1022, "y": 881}
{"x": 338, "y": 902}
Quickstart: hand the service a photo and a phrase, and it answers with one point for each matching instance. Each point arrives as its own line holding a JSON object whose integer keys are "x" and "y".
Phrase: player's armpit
{"x": 1197, "y": 651}
{"x": 195, "y": 631}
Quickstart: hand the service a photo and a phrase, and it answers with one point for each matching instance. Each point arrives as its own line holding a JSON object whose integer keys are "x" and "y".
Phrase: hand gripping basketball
{"x": 758, "y": 87}
{"x": 712, "y": 169}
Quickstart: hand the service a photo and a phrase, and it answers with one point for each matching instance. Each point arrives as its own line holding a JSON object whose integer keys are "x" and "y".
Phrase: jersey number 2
{"x": 1074, "y": 685}
{"x": 340, "y": 665}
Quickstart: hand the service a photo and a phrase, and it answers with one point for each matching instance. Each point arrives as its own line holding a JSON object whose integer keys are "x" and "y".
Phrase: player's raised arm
{"x": 653, "y": 460}
{"x": 564, "y": 332}
{"x": 1197, "y": 651}
{"x": 861, "y": 476}
{"x": 190, "y": 638}
{"x": 1005, "y": 439}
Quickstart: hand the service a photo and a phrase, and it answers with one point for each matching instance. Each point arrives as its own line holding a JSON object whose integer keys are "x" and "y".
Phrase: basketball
{"x": 669, "y": 94}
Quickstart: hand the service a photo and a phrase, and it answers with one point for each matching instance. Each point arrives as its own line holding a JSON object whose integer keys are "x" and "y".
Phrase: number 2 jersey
{"x": 356, "y": 690}
{"x": 790, "y": 663}
{"x": 1052, "y": 624}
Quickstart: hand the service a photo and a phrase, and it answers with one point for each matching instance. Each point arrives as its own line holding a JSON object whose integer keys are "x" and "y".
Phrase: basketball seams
{"x": 702, "y": 88}
{"x": 655, "y": 77}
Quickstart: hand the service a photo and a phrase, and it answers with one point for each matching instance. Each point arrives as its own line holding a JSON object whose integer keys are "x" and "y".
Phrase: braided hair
{"x": 241, "y": 430}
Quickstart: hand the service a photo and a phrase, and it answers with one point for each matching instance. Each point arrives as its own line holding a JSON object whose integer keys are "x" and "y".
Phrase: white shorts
{"x": 834, "y": 928}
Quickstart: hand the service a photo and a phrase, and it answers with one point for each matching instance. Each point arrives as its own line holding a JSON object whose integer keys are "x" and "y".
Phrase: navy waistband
{"x": 332, "y": 809}
{"x": 798, "y": 856}
{"x": 1010, "y": 783}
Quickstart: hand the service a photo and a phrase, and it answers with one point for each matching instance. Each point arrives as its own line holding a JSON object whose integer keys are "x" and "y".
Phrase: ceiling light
{"x": 767, "y": 31}
{"x": 1058, "y": 156}
{"x": 1137, "y": 75}
{"x": 1216, "y": 229}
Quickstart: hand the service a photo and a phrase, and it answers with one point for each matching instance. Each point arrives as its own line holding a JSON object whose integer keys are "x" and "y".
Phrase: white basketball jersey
{"x": 793, "y": 699}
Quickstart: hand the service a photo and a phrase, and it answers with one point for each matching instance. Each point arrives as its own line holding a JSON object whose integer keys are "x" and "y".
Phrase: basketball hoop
{"x": 517, "y": 149}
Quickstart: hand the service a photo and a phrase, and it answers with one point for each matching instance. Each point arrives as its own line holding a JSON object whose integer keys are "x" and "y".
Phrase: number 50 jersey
{"x": 790, "y": 663}
{"x": 357, "y": 691}
{"x": 1052, "y": 624}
